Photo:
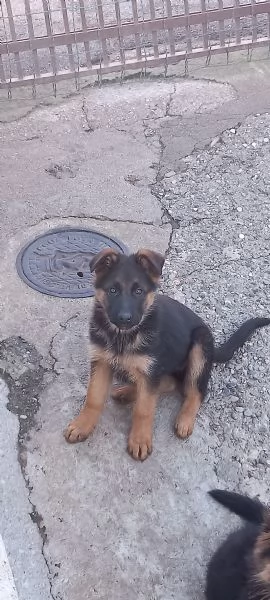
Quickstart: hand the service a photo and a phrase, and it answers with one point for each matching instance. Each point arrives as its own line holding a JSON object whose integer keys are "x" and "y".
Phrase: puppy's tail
{"x": 243, "y": 506}
{"x": 225, "y": 352}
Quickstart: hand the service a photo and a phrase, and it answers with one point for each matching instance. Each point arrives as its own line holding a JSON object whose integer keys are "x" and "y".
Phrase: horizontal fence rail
{"x": 45, "y": 41}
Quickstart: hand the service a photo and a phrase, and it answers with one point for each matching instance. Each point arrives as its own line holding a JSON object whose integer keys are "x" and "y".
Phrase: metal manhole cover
{"x": 57, "y": 263}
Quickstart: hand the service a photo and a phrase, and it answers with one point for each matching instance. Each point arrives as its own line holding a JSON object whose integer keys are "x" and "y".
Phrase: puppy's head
{"x": 126, "y": 285}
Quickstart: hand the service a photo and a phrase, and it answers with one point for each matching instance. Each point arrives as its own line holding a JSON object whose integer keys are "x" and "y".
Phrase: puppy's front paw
{"x": 79, "y": 429}
{"x": 140, "y": 445}
{"x": 184, "y": 425}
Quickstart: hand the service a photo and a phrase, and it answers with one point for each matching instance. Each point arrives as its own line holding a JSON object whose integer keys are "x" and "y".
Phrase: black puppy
{"x": 154, "y": 341}
{"x": 240, "y": 568}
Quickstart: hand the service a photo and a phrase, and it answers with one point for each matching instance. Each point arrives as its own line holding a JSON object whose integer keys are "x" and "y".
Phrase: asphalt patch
{"x": 20, "y": 367}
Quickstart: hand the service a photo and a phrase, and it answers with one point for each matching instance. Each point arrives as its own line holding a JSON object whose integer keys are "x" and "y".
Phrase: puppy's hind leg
{"x": 196, "y": 379}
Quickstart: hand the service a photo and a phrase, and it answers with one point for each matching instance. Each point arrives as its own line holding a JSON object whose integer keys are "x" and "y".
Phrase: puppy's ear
{"x": 151, "y": 262}
{"x": 104, "y": 260}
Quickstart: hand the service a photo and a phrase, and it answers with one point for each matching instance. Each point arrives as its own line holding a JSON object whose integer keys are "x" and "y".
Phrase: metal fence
{"x": 45, "y": 41}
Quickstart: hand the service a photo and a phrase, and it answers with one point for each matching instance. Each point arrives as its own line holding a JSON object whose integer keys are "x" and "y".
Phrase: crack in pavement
{"x": 226, "y": 262}
{"x": 50, "y": 350}
{"x": 96, "y": 218}
{"x": 21, "y": 369}
{"x": 158, "y": 189}
{"x": 170, "y": 99}
{"x": 37, "y": 519}
{"x": 166, "y": 216}
{"x": 127, "y": 132}
{"x": 22, "y": 457}
{"x": 51, "y": 355}
{"x": 209, "y": 144}
{"x": 89, "y": 126}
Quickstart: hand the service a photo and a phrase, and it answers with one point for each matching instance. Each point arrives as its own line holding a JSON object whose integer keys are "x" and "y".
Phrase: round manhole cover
{"x": 57, "y": 263}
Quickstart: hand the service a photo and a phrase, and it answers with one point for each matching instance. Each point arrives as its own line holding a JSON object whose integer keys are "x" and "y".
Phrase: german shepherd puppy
{"x": 151, "y": 340}
{"x": 240, "y": 568}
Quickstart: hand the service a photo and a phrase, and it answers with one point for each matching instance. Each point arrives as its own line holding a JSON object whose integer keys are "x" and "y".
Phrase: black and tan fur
{"x": 240, "y": 568}
{"x": 153, "y": 342}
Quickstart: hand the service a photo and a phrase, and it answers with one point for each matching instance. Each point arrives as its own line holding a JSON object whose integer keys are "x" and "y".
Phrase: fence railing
{"x": 45, "y": 41}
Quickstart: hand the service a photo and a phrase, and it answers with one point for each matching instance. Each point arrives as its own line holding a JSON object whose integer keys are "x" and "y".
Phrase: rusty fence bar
{"x": 61, "y": 39}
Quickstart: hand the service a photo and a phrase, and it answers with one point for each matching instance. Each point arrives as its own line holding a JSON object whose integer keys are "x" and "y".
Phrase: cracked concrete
{"x": 20, "y": 534}
{"x": 163, "y": 164}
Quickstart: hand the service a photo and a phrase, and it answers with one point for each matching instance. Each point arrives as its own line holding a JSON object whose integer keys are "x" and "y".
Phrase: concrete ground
{"x": 181, "y": 166}
{"x": 7, "y": 584}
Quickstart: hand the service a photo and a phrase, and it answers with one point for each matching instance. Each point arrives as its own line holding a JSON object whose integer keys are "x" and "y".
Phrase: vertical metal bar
{"x": 237, "y": 21}
{"x": 188, "y": 34}
{"x": 48, "y": 24}
{"x": 2, "y": 71}
{"x": 170, "y": 31}
{"x": 254, "y": 22}
{"x": 154, "y": 33}
{"x": 67, "y": 30}
{"x": 14, "y": 39}
{"x": 120, "y": 38}
{"x": 221, "y": 25}
{"x": 101, "y": 25}
{"x": 143, "y": 71}
{"x": 3, "y": 76}
{"x": 77, "y": 71}
{"x": 204, "y": 26}
{"x": 31, "y": 36}
{"x": 137, "y": 35}
{"x": 165, "y": 36}
{"x": 84, "y": 26}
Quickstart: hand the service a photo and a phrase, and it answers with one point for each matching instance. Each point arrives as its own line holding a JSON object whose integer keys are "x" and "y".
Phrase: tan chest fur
{"x": 133, "y": 364}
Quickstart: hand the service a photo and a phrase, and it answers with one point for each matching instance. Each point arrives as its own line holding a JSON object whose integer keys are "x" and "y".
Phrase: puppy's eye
{"x": 138, "y": 291}
{"x": 113, "y": 290}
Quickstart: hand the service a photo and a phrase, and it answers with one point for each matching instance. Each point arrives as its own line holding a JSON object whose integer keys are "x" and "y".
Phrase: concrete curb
{"x": 7, "y": 585}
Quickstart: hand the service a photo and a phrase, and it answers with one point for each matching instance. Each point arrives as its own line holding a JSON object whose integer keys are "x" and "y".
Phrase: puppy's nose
{"x": 125, "y": 318}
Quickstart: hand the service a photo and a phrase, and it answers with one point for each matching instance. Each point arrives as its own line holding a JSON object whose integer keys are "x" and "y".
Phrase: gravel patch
{"x": 218, "y": 264}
